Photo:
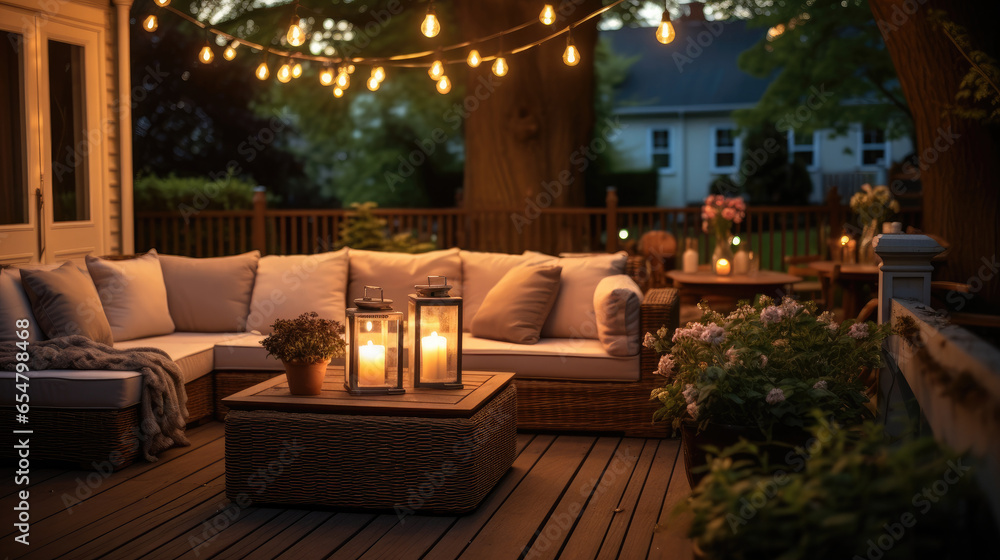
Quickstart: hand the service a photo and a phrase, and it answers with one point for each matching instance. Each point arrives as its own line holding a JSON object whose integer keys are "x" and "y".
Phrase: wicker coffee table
{"x": 426, "y": 451}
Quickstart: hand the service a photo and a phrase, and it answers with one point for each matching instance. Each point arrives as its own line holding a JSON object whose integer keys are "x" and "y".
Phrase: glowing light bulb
{"x": 474, "y": 59}
{"x": 665, "y": 32}
{"x": 284, "y": 74}
{"x": 230, "y": 52}
{"x": 150, "y": 24}
{"x": 623, "y": 234}
{"x": 436, "y": 70}
{"x": 373, "y": 83}
{"x": 430, "y": 27}
{"x": 206, "y": 55}
{"x": 444, "y": 85}
{"x": 548, "y": 15}
{"x": 337, "y": 92}
{"x": 326, "y": 76}
{"x": 297, "y": 70}
{"x": 500, "y": 66}
{"x": 262, "y": 72}
{"x": 350, "y": 68}
{"x": 737, "y": 240}
{"x": 378, "y": 73}
{"x": 571, "y": 56}
{"x": 162, "y": 3}
{"x": 844, "y": 240}
{"x": 295, "y": 35}
{"x": 343, "y": 79}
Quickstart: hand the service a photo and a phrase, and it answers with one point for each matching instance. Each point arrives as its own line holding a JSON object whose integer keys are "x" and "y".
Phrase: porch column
{"x": 124, "y": 106}
{"x": 905, "y": 271}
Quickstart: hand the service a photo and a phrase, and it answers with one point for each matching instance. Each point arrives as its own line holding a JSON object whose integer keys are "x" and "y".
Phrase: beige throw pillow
{"x": 289, "y": 286}
{"x": 617, "y": 302}
{"x": 397, "y": 273}
{"x": 133, "y": 295}
{"x": 480, "y": 272}
{"x": 573, "y": 313}
{"x": 14, "y": 306}
{"x": 517, "y": 306}
{"x": 211, "y": 294}
{"x": 65, "y": 302}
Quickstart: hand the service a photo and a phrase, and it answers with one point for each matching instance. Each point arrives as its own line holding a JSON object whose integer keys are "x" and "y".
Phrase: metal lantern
{"x": 374, "y": 363}
{"x": 435, "y": 320}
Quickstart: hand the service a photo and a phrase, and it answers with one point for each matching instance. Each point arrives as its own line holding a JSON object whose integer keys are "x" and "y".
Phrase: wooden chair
{"x": 811, "y": 286}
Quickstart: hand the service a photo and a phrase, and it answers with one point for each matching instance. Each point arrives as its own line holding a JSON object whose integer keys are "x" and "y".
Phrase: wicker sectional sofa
{"x": 220, "y": 307}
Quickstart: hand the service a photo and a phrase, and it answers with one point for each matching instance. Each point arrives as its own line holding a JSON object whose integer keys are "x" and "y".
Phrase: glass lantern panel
{"x": 377, "y": 338}
{"x": 439, "y": 334}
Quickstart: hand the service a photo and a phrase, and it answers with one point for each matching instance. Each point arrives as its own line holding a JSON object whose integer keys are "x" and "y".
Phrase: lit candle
{"x": 722, "y": 267}
{"x": 844, "y": 240}
{"x": 434, "y": 358}
{"x": 371, "y": 370}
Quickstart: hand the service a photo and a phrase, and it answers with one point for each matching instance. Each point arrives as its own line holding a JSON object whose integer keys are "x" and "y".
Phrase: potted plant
{"x": 872, "y": 206}
{"x": 848, "y": 494}
{"x": 759, "y": 372}
{"x": 305, "y": 346}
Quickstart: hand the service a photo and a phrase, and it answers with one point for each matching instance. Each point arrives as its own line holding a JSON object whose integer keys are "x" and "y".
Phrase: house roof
{"x": 698, "y": 71}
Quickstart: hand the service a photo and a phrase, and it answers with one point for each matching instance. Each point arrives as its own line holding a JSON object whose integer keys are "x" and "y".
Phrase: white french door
{"x": 52, "y": 139}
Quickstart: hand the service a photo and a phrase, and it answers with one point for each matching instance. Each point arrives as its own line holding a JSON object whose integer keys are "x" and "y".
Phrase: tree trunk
{"x": 958, "y": 157}
{"x": 526, "y": 138}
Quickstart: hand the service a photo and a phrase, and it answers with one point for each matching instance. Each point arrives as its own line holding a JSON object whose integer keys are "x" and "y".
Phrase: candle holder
{"x": 436, "y": 343}
{"x": 374, "y": 363}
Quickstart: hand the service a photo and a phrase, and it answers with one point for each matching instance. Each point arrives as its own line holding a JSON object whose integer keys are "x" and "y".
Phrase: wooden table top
{"x": 479, "y": 388}
{"x": 762, "y": 278}
{"x": 826, "y": 267}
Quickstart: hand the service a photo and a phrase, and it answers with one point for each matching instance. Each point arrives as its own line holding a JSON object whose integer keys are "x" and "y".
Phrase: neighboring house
{"x": 65, "y": 138}
{"x": 675, "y": 107}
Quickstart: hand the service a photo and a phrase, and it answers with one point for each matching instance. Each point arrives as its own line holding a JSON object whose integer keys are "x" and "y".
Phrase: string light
{"x": 571, "y": 56}
{"x": 206, "y": 55}
{"x": 343, "y": 79}
{"x": 548, "y": 15}
{"x": 230, "y": 52}
{"x": 444, "y": 85}
{"x": 474, "y": 59}
{"x": 262, "y": 71}
{"x": 430, "y": 27}
{"x": 326, "y": 76}
{"x": 436, "y": 70}
{"x": 284, "y": 74}
{"x": 150, "y": 24}
{"x": 338, "y": 93}
{"x": 162, "y": 3}
{"x": 373, "y": 83}
{"x": 378, "y": 73}
{"x": 350, "y": 68}
{"x": 297, "y": 70}
{"x": 665, "y": 32}
{"x": 500, "y": 66}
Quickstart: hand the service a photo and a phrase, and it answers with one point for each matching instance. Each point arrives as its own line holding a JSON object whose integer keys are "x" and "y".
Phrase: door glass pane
{"x": 70, "y": 189}
{"x": 13, "y": 183}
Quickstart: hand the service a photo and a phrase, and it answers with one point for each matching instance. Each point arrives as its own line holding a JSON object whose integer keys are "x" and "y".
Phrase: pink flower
{"x": 690, "y": 393}
{"x": 858, "y": 331}
{"x": 771, "y": 314}
{"x": 692, "y": 409}
{"x": 649, "y": 340}
{"x": 713, "y": 334}
{"x": 729, "y": 214}
{"x": 666, "y": 365}
{"x": 821, "y": 384}
{"x": 763, "y": 360}
{"x": 775, "y": 396}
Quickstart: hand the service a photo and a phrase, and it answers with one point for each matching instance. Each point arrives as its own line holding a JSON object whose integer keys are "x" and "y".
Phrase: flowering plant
{"x": 874, "y": 203}
{"x": 765, "y": 365}
{"x": 721, "y": 212}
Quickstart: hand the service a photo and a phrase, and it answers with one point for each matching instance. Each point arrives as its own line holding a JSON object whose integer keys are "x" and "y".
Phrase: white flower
{"x": 775, "y": 396}
{"x": 693, "y": 330}
{"x": 666, "y": 365}
{"x": 821, "y": 384}
{"x": 649, "y": 340}
{"x": 771, "y": 314}
{"x": 692, "y": 409}
{"x": 858, "y": 331}
{"x": 690, "y": 393}
{"x": 731, "y": 355}
{"x": 827, "y": 317}
{"x": 763, "y": 360}
{"x": 790, "y": 307}
{"x": 713, "y": 334}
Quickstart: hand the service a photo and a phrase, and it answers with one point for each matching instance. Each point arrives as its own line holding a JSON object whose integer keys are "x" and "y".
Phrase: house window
{"x": 802, "y": 148}
{"x": 873, "y": 146}
{"x": 725, "y": 146}
{"x": 661, "y": 151}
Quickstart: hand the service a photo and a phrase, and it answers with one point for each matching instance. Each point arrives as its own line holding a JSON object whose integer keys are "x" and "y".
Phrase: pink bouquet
{"x": 721, "y": 212}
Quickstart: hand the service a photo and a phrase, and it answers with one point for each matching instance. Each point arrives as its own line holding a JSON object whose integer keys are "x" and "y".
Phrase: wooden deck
{"x": 573, "y": 497}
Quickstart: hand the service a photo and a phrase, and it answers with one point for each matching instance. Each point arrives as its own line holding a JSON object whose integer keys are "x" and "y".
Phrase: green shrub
{"x": 186, "y": 194}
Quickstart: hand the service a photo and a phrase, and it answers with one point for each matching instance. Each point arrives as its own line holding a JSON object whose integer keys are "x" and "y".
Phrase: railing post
{"x": 611, "y": 203}
{"x": 835, "y": 213}
{"x": 258, "y": 226}
{"x": 905, "y": 271}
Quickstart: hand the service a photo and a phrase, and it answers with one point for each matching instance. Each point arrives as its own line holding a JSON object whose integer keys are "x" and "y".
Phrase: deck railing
{"x": 771, "y": 231}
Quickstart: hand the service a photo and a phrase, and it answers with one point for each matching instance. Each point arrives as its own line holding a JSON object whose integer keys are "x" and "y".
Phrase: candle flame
{"x": 434, "y": 333}
{"x": 368, "y": 325}
{"x": 369, "y": 343}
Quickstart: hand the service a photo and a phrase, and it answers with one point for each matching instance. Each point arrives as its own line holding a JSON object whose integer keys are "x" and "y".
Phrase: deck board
{"x": 566, "y": 496}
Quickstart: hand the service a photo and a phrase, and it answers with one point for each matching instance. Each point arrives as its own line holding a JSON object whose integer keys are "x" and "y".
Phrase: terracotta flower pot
{"x": 722, "y": 436}
{"x": 305, "y": 379}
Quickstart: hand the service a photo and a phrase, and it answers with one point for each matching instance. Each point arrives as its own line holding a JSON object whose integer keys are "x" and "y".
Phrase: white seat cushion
{"x": 577, "y": 359}
{"x": 245, "y": 354}
{"x": 193, "y": 352}
{"x": 85, "y": 389}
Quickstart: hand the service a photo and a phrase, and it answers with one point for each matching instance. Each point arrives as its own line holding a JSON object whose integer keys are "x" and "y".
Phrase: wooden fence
{"x": 771, "y": 231}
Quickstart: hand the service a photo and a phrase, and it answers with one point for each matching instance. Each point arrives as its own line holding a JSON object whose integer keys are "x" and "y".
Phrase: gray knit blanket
{"x": 163, "y": 404}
